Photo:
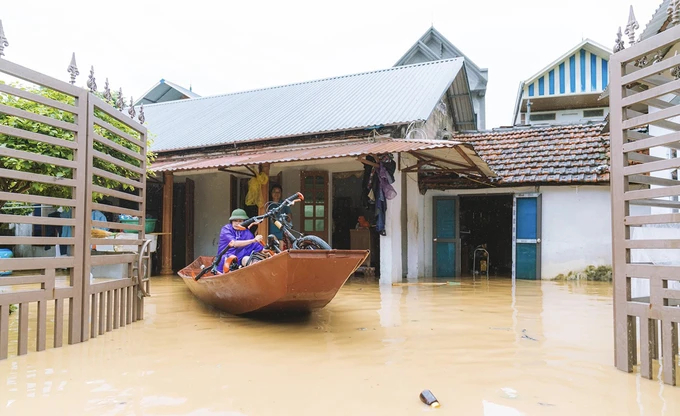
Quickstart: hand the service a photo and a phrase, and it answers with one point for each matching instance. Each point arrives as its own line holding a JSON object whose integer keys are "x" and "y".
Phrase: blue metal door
{"x": 445, "y": 237}
{"x": 526, "y": 241}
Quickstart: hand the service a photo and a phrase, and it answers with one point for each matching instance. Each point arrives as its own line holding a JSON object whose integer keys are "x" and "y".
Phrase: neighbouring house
{"x": 164, "y": 91}
{"x": 321, "y": 138}
{"x": 433, "y": 46}
{"x": 567, "y": 90}
{"x": 547, "y": 214}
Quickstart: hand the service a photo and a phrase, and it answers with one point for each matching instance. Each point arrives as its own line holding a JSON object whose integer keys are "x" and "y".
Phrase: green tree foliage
{"x": 55, "y": 190}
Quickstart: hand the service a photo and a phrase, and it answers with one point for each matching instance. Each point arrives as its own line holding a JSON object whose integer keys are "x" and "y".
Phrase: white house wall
{"x": 576, "y": 228}
{"x": 391, "y": 244}
{"x": 439, "y": 120}
{"x": 415, "y": 227}
{"x": 211, "y": 209}
{"x": 566, "y": 116}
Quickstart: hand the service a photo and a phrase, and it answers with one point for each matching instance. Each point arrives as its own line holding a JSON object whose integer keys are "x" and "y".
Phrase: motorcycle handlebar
{"x": 295, "y": 198}
{"x": 291, "y": 200}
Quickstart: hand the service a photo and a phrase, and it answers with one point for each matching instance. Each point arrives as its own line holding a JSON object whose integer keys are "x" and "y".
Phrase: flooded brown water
{"x": 483, "y": 348}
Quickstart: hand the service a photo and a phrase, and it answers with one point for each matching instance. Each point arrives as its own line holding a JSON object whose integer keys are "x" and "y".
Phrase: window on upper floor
{"x": 542, "y": 117}
{"x": 593, "y": 113}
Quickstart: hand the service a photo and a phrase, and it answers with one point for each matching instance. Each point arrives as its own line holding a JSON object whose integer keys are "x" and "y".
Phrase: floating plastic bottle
{"x": 428, "y": 398}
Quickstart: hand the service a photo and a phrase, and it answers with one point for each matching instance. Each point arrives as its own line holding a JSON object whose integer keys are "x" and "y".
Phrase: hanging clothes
{"x": 386, "y": 181}
{"x": 367, "y": 196}
{"x": 254, "y": 195}
{"x": 390, "y": 165}
{"x": 377, "y": 187}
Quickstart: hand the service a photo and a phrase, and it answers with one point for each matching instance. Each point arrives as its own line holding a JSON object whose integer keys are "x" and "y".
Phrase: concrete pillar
{"x": 390, "y": 245}
{"x": 415, "y": 226}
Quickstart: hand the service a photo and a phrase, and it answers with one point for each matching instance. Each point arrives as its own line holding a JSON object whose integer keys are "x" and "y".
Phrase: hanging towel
{"x": 254, "y": 195}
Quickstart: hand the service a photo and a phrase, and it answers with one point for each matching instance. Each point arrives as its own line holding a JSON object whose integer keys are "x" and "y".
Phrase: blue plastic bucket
{"x": 5, "y": 253}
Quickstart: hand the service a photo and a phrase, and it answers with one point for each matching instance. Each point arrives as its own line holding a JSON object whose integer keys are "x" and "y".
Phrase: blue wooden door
{"x": 527, "y": 237}
{"x": 445, "y": 237}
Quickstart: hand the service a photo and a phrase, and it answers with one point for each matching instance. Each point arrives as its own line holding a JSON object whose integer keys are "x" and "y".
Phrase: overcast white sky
{"x": 226, "y": 46}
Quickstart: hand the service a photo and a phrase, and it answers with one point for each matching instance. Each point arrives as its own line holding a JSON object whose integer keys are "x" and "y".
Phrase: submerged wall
{"x": 576, "y": 229}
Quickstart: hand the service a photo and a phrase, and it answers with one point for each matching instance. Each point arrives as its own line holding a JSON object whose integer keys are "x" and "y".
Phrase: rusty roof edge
{"x": 179, "y": 163}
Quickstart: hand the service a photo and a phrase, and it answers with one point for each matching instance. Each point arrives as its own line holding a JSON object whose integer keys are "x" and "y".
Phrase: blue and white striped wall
{"x": 581, "y": 73}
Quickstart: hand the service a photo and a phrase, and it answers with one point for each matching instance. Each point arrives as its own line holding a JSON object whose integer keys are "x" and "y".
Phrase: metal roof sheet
{"x": 656, "y": 23}
{"x": 164, "y": 91}
{"x": 386, "y": 97}
{"x": 442, "y": 149}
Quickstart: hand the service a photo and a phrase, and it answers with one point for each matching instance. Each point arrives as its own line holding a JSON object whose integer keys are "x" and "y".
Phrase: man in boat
{"x": 242, "y": 243}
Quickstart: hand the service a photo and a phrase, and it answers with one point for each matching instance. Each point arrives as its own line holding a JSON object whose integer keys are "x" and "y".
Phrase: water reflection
{"x": 390, "y": 306}
{"x": 483, "y": 347}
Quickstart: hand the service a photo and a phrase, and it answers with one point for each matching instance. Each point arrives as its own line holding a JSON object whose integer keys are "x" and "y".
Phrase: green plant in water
{"x": 591, "y": 273}
{"x": 599, "y": 273}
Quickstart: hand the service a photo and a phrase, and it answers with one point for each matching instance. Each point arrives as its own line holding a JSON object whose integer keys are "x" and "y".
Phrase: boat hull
{"x": 294, "y": 280}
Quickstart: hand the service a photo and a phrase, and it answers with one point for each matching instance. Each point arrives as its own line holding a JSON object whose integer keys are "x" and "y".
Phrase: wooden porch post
{"x": 166, "y": 258}
{"x": 263, "y": 228}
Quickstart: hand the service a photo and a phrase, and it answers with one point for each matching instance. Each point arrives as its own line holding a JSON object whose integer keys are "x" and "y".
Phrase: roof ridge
{"x": 532, "y": 128}
{"x": 390, "y": 69}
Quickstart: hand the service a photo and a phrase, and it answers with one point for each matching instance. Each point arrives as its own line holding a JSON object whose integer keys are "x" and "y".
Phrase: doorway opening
{"x": 349, "y": 232}
{"x": 486, "y": 220}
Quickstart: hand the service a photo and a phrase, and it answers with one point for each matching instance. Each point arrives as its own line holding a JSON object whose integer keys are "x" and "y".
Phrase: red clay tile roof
{"x": 538, "y": 155}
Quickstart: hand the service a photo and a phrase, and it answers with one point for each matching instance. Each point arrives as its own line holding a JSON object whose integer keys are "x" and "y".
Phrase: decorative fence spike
{"x": 618, "y": 43}
{"x": 658, "y": 57}
{"x": 120, "y": 102}
{"x": 107, "y": 91}
{"x": 675, "y": 71}
{"x": 642, "y": 62}
{"x": 73, "y": 69}
{"x": 131, "y": 110}
{"x": 674, "y": 11}
{"x": 91, "y": 82}
{"x": 141, "y": 114}
{"x": 3, "y": 41}
{"x": 632, "y": 26}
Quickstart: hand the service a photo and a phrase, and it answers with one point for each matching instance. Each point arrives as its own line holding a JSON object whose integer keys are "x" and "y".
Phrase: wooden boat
{"x": 294, "y": 280}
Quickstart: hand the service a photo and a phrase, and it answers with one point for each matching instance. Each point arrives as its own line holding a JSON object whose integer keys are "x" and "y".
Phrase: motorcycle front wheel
{"x": 310, "y": 242}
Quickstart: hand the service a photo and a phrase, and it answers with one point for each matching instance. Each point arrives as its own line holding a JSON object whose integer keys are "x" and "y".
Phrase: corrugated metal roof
{"x": 164, "y": 91}
{"x": 657, "y": 21}
{"x": 387, "y": 97}
{"x": 443, "y": 149}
